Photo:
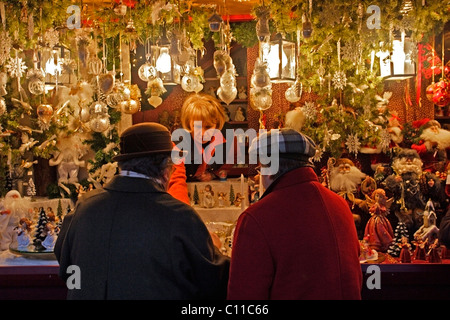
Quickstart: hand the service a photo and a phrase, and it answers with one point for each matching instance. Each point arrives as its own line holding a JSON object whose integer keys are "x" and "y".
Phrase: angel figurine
{"x": 23, "y": 233}
{"x": 378, "y": 229}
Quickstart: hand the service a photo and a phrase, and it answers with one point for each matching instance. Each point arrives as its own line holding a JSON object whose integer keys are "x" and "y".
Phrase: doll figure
{"x": 367, "y": 253}
{"x": 208, "y": 197}
{"x": 221, "y": 197}
{"x": 50, "y": 239}
{"x": 242, "y": 93}
{"x": 433, "y": 253}
{"x": 240, "y": 114}
{"x": 405, "y": 254}
{"x": 420, "y": 253}
{"x": 238, "y": 199}
{"x": 378, "y": 228}
{"x": 428, "y": 230}
{"x": 23, "y": 233}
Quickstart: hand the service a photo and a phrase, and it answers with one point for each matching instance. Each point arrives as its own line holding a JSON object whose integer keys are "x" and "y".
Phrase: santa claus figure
{"x": 13, "y": 208}
{"x": 405, "y": 186}
{"x": 433, "y": 145}
{"x": 345, "y": 179}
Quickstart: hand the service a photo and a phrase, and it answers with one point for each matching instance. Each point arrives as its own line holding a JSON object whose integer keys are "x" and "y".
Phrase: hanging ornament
{"x": 106, "y": 83}
{"x": 260, "y": 77}
{"x": 262, "y": 26}
{"x": 189, "y": 82}
{"x": 155, "y": 101}
{"x": 36, "y": 81}
{"x": 447, "y": 71}
{"x": 294, "y": 92}
{"x": 44, "y": 113}
{"x": 260, "y": 98}
{"x": 310, "y": 110}
{"x": 3, "y": 82}
{"x": 146, "y": 72}
{"x": 353, "y": 144}
{"x": 132, "y": 103}
{"x": 5, "y": 46}
{"x": 99, "y": 123}
{"x": 227, "y": 95}
{"x": 16, "y": 67}
{"x": 339, "y": 80}
{"x": 2, "y": 107}
{"x": 430, "y": 91}
{"x": 306, "y": 27}
{"x": 441, "y": 96}
{"x": 95, "y": 66}
{"x": 222, "y": 62}
{"x": 51, "y": 38}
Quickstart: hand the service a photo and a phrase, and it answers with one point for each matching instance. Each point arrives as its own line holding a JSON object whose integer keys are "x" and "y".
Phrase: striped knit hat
{"x": 290, "y": 144}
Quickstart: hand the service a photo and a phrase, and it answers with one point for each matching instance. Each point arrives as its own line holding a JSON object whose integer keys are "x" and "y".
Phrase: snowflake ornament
{"x": 352, "y": 51}
{"x": 353, "y": 143}
{"x": 309, "y": 110}
{"x": 5, "y": 46}
{"x": 16, "y": 67}
{"x": 339, "y": 80}
{"x": 51, "y": 37}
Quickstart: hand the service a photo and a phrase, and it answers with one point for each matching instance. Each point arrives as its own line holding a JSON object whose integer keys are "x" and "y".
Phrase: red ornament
{"x": 447, "y": 70}
{"x": 441, "y": 96}
{"x": 430, "y": 91}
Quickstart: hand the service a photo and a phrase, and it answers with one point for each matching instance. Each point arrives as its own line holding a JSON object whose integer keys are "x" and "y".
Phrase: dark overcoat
{"x": 132, "y": 240}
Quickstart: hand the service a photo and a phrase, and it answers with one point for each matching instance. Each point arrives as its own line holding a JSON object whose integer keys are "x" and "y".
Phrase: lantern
{"x": 281, "y": 60}
{"x": 56, "y": 65}
{"x": 399, "y": 64}
{"x": 215, "y": 21}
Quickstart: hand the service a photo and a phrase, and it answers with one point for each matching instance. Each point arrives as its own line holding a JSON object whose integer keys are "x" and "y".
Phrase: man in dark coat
{"x": 298, "y": 241}
{"x": 132, "y": 240}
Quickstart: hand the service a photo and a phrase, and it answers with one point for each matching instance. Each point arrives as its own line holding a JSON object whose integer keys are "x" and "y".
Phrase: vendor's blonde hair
{"x": 202, "y": 107}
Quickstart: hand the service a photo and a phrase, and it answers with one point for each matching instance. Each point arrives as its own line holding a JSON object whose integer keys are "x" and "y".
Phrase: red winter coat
{"x": 298, "y": 241}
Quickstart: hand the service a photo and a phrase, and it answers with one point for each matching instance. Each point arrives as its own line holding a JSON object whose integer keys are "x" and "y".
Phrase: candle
{"x": 242, "y": 192}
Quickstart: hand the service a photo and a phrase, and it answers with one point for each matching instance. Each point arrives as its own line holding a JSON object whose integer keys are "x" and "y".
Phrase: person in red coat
{"x": 299, "y": 240}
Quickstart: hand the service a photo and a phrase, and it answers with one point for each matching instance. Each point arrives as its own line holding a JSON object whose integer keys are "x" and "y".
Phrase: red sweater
{"x": 297, "y": 242}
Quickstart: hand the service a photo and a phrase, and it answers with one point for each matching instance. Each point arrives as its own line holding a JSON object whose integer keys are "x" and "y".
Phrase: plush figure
{"x": 404, "y": 185}
{"x": 13, "y": 208}
{"x": 433, "y": 145}
{"x": 345, "y": 179}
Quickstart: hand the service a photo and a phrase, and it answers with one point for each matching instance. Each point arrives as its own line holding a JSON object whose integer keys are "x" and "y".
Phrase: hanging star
{"x": 16, "y": 67}
{"x": 339, "y": 80}
{"x": 353, "y": 143}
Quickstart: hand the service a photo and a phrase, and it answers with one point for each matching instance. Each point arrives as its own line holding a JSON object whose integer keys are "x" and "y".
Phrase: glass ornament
{"x": 130, "y": 106}
{"x": 99, "y": 123}
{"x": 430, "y": 91}
{"x": 228, "y": 79}
{"x": 189, "y": 83}
{"x": 98, "y": 108}
{"x": 260, "y": 99}
{"x": 146, "y": 71}
{"x": 227, "y": 95}
{"x": 155, "y": 101}
{"x": 36, "y": 87}
{"x": 85, "y": 115}
{"x": 441, "y": 96}
{"x": 45, "y": 112}
{"x": 294, "y": 92}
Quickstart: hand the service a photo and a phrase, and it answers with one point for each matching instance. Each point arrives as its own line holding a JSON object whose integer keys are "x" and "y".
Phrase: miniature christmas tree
{"x": 400, "y": 231}
{"x": 31, "y": 190}
{"x": 231, "y": 194}
{"x": 40, "y": 232}
{"x": 196, "y": 197}
{"x": 59, "y": 214}
{"x": 9, "y": 182}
